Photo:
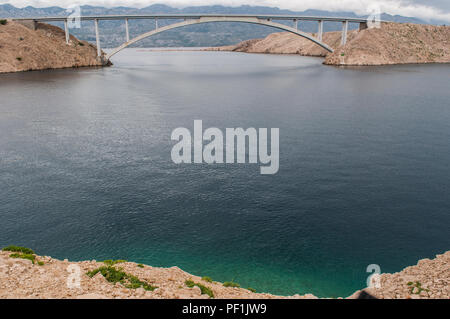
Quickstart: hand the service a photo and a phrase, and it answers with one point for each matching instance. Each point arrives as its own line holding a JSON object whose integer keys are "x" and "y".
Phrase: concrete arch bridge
{"x": 191, "y": 19}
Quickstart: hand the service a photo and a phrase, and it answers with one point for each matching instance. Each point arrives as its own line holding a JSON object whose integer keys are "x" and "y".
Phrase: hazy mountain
{"x": 113, "y": 32}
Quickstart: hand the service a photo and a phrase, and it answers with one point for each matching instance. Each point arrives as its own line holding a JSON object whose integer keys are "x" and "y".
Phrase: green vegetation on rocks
{"x": 111, "y": 262}
{"x": 18, "y": 249}
{"x": 114, "y": 275}
{"x": 23, "y": 256}
{"x": 231, "y": 284}
{"x": 207, "y": 279}
{"x": 416, "y": 288}
{"x": 205, "y": 290}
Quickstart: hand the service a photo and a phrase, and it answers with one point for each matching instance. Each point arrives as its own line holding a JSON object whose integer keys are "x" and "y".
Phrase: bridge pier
{"x": 97, "y": 38}
{"x": 156, "y": 24}
{"x": 320, "y": 32}
{"x": 66, "y": 30}
{"x": 344, "y": 32}
{"x": 127, "y": 31}
{"x": 296, "y": 24}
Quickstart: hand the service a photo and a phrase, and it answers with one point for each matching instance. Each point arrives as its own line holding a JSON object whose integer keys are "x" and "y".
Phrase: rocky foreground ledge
{"x": 24, "y": 274}
{"x": 393, "y": 43}
{"x": 25, "y": 49}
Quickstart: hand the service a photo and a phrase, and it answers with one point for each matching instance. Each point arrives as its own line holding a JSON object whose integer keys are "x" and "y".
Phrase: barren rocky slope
{"x": 284, "y": 43}
{"x": 429, "y": 279}
{"x": 393, "y": 43}
{"x": 49, "y": 278}
{"x": 24, "y": 49}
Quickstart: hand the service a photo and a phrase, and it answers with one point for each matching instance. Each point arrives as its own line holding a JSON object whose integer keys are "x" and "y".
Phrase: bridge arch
{"x": 220, "y": 19}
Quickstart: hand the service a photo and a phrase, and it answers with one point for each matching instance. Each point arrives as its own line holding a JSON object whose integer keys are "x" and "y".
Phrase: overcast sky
{"x": 425, "y": 9}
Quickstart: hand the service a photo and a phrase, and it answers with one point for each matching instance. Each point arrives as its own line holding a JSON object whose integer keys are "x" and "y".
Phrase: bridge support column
{"x": 156, "y": 24}
{"x": 320, "y": 32}
{"x": 97, "y": 38}
{"x": 66, "y": 30}
{"x": 296, "y": 24}
{"x": 127, "y": 31}
{"x": 344, "y": 32}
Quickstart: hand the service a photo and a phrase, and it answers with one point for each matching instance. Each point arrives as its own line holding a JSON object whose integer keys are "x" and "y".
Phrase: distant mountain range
{"x": 215, "y": 34}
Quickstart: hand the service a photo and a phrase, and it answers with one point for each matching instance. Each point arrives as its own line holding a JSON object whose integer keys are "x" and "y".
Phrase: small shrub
{"x": 23, "y": 256}
{"x": 40, "y": 263}
{"x": 207, "y": 279}
{"x": 417, "y": 285}
{"x": 251, "y": 289}
{"x": 231, "y": 284}
{"x": 19, "y": 58}
{"x": 140, "y": 265}
{"x": 3, "y": 22}
{"x": 114, "y": 275}
{"x": 18, "y": 249}
{"x": 81, "y": 44}
{"x": 21, "y": 39}
{"x": 342, "y": 54}
{"x": 204, "y": 290}
{"x": 111, "y": 262}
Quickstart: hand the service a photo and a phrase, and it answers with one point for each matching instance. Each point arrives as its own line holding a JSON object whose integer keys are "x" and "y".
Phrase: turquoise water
{"x": 364, "y": 178}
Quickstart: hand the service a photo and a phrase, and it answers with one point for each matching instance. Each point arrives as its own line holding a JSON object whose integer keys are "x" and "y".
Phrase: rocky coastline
{"x": 41, "y": 48}
{"x": 392, "y": 43}
{"x": 24, "y": 274}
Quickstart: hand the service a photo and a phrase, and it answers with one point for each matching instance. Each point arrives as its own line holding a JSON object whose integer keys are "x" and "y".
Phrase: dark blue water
{"x": 86, "y": 172}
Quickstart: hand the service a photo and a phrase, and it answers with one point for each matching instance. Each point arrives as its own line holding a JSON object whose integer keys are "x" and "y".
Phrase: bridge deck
{"x": 198, "y": 16}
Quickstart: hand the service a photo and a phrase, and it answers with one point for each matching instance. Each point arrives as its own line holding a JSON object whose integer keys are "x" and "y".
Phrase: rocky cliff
{"x": 25, "y": 49}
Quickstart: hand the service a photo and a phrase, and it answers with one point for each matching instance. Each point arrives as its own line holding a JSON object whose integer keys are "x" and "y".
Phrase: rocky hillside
{"x": 393, "y": 43}
{"x": 24, "y": 274}
{"x": 24, "y": 49}
{"x": 284, "y": 43}
{"x": 429, "y": 279}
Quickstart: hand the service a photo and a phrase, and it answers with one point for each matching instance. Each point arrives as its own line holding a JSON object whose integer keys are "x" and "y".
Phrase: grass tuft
{"x": 205, "y": 290}
{"x": 231, "y": 284}
{"x": 111, "y": 262}
{"x": 207, "y": 279}
{"x": 251, "y": 289}
{"x": 140, "y": 265}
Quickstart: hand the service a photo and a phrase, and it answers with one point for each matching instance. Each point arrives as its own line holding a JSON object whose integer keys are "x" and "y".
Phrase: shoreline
{"x": 55, "y": 69}
{"x": 392, "y": 44}
{"x": 23, "y": 49}
{"x": 27, "y": 275}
